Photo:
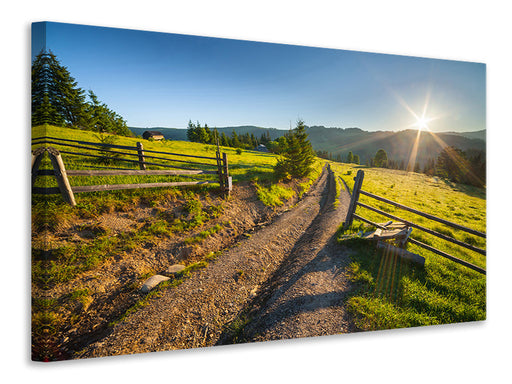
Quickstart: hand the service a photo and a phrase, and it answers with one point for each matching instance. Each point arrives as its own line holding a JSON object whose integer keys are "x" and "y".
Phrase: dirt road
{"x": 285, "y": 280}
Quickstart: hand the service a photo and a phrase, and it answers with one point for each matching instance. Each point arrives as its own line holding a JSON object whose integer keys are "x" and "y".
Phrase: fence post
{"x": 37, "y": 156}
{"x": 227, "y": 178}
{"x": 140, "y": 151}
{"x": 219, "y": 166}
{"x": 60, "y": 174}
{"x": 358, "y": 182}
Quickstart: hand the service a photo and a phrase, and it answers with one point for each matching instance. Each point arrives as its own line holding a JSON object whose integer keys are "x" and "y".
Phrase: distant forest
{"x": 450, "y": 162}
{"x": 248, "y": 140}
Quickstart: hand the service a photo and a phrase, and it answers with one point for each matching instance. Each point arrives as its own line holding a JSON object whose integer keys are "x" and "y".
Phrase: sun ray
{"x": 456, "y": 159}
{"x": 414, "y": 153}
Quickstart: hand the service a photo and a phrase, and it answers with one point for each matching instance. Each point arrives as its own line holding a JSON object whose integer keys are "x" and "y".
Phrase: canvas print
{"x": 190, "y": 191}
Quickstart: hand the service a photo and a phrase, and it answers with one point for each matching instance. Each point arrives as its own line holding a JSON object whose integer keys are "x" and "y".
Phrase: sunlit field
{"x": 244, "y": 166}
{"x": 393, "y": 293}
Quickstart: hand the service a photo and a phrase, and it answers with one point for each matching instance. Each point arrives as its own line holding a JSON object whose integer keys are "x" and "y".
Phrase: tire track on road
{"x": 195, "y": 313}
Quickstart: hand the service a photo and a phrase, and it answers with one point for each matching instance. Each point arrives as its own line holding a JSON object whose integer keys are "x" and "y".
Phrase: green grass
{"x": 392, "y": 293}
{"x": 242, "y": 167}
{"x": 204, "y": 234}
{"x": 273, "y": 195}
{"x": 51, "y": 213}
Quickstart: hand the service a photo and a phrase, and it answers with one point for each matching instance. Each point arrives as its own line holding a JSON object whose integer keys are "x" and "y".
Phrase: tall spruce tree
{"x": 298, "y": 158}
{"x": 56, "y": 98}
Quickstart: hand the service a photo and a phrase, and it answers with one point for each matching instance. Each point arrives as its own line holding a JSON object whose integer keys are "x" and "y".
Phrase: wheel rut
{"x": 285, "y": 280}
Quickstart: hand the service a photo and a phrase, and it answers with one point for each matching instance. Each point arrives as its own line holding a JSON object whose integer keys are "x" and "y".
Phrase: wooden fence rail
{"x": 354, "y": 203}
{"x": 220, "y": 167}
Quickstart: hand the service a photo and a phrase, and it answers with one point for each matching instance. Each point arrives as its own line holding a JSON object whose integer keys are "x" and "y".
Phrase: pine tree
{"x": 235, "y": 141}
{"x": 191, "y": 132}
{"x": 208, "y": 136}
{"x": 56, "y": 98}
{"x": 99, "y": 118}
{"x": 298, "y": 159}
{"x": 224, "y": 140}
{"x": 381, "y": 159}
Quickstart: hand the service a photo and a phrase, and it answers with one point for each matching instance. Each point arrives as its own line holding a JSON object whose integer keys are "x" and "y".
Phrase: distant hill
{"x": 471, "y": 135}
{"x": 339, "y": 141}
{"x": 398, "y": 145}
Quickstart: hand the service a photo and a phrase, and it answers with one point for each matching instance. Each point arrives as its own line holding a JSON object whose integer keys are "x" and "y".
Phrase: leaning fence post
{"x": 37, "y": 156}
{"x": 140, "y": 151}
{"x": 358, "y": 182}
{"x": 60, "y": 174}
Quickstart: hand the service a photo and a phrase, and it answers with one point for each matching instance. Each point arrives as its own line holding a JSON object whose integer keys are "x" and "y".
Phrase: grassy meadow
{"x": 392, "y": 293}
{"x": 389, "y": 293}
{"x": 244, "y": 166}
{"x": 49, "y": 213}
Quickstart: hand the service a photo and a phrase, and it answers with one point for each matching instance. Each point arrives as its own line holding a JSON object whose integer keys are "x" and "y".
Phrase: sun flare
{"x": 422, "y": 123}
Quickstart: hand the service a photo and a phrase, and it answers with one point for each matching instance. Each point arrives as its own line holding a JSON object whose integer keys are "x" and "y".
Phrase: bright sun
{"x": 422, "y": 123}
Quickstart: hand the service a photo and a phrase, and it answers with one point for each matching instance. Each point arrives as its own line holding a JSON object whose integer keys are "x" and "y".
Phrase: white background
{"x": 458, "y": 30}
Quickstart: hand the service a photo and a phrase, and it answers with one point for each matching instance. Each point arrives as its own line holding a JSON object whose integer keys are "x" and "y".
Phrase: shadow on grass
{"x": 390, "y": 292}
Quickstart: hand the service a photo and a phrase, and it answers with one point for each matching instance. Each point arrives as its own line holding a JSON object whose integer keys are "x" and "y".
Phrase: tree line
{"x": 296, "y": 153}
{"x": 454, "y": 164}
{"x": 203, "y": 134}
{"x": 58, "y": 100}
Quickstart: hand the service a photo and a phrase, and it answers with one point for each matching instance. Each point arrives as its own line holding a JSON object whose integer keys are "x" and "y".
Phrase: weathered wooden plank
{"x": 448, "y": 256}
{"x": 45, "y": 138}
{"x": 386, "y": 234}
{"x": 61, "y": 176}
{"x": 403, "y": 240}
{"x": 140, "y": 152}
{"x": 181, "y": 154}
{"x": 426, "y": 215}
{"x": 424, "y": 229}
{"x": 361, "y": 218}
{"x": 219, "y": 167}
{"x": 226, "y": 177}
{"x": 115, "y": 187}
{"x": 131, "y": 161}
{"x": 136, "y": 172}
{"x": 358, "y": 182}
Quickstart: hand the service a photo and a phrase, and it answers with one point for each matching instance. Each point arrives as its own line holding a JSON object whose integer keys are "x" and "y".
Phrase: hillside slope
{"x": 339, "y": 141}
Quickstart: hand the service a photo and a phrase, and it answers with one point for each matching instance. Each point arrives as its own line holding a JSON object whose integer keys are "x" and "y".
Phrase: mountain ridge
{"x": 339, "y": 141}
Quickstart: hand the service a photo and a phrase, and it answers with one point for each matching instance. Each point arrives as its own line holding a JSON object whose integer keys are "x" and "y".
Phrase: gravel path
{"x": 285, "y": 280}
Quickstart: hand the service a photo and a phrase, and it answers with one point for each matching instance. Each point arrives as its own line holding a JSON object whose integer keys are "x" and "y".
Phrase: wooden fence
{"x": 354, "y": 203}
{"x": 189, "y": 168}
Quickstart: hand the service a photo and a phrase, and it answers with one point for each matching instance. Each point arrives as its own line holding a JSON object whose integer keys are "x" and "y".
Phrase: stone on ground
{"x": 152, "y": 282}
{"x": 176, "y": 268}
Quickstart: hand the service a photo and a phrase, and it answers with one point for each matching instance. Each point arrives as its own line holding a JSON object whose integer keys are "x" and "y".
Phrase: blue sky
{"x": 159, "y": 79}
